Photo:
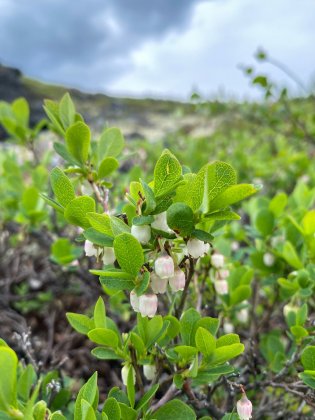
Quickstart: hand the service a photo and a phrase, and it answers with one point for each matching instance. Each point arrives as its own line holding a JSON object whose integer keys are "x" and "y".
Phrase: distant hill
{"x": 138, "y": 117}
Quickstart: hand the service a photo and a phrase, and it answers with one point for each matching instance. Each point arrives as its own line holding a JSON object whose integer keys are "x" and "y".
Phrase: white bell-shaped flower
{"x": 148, "y": 305}
{"x": 108, "y": 256}
{"x": 164, "y": 267}
{"x": 244, "y": 408}
{"x": 197, "y": 248}
{"x": 178, "y": 281}
{"x": 158, "y": 285}
{"x": 269, "y": 259}
{"x": 89, "y": 249}
{"x": 125, "y": 372}
{"x": 243, "y": 315}
{"x": 149, "y": 372}
{"x": 221, "y": 287}
{"x": 134, "y": 301}
{"x": 217, "y": 260}
{"x": 160, "y": 223}
{"x": 142, "y": 233}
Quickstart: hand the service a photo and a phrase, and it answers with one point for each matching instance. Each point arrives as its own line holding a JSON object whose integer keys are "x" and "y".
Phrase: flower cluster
{"x": 166, "y": 269}
{"x": 221, "y": 274}
{"x": 106, "y": 254}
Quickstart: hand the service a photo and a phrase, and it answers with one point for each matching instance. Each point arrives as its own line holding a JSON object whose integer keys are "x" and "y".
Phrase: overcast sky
{"x": 156, "y": 47}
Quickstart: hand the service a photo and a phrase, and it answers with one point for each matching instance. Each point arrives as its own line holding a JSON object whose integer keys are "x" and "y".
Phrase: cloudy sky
{"x": 156, "y": 47}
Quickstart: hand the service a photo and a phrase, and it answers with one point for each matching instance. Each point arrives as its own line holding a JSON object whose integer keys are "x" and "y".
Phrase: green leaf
{"x": 99, "y": 315}
{"x": 149, "y": 330}
{"x": 142, "y": 220}
{"x": 21, "y": 111}
{"x": 129, "y": 253}
{"x": 147, "y": 397}
{"x": 63, "y": 252}
{"x": 66, "y": 110}
{"x": 117, "y": 283}
{"x": 174, "y": 409}
{"x": 264, "y": 222}
{"x": 52, "y": 203}
{"x": 52, "y": 110}
{"x": 308, "y": 223}
{"x": 76, "y": 210}
{"x": 62, "y": 187}
{"x": 223, "y": 215}
{"x": 210, "y": 324}
{"x": 225, "y": 353}
{"x": 118, "y": 226}
{"x": 167, "y": 173}
{"x": 186, "y": 353}
{"x": 205, "y": 342}
{"x": 202, "y": 235}
{"x": 107, "y": 166}
{"x": 8, "y": 363}
{"x": 308, "y": 358}
{"x": 278, "y": 204}
{"x": 308, "y": 377}
{"x": 240, "y": 294}
{"x": 131, "y": 392}
{"x": 87, "y": 411}
{"x": 143, "y": 284}
{"x": 207, "y": 376}
{"x": 62, "y": 150}
{"x": 187, "y": 326}
{"x": 298, "y": 332}
{"x": 81, "y": 323}
{"x": 227, "y": 340}
{"x": 25, "y": 382}
{"x": 103, "y": 336}
{"x": 150, "y": 202}
{"x": 218, "y": 176}
{"x": 100, "y": 222}
{"x": 78, "y": 138}
{"x": 111, "y": 143}
{"x": 232, "y": 195}
{"x": 127, "y": 413}
{"x": 111, "y": 409}
{"x": 290, "y": 255}
{"x": 180, "y": 218}
{"x": 104, "y": 353}
{"x": 98, "y": 238}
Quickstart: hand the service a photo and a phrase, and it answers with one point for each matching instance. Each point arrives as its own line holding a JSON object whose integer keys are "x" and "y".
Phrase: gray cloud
{"x": 87, "y": 42}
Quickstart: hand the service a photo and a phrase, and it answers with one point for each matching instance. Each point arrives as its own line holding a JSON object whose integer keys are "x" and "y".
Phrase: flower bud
{"x": 217, "y": 260}
{"x": 235, "y": 246}
{"x": 222, "y": 274}
{"x": 244, "y": 408}
{"x": 158, "y": 285}
{"x": 268, "y": 259}
{"x": 228, "y": 327}
{"x": 149, "y": 372}
{"x": 178, "y": 281}
{"x": 134, "y": 301}
{"x": 243, "y": 315}
{"x": 221, "y": 287}
{"x": 125, "y": 372}
{"x": 289, "y": 308}
{"x": 197, "y": 248}
{"x": 160, "y": 223}
{"x": 148, "y": 305}
{"x": 90, "y": 250}
{"x": 164, "y": 267}
{"x": 142, "y": 233}
{"x": 108, "y": 256}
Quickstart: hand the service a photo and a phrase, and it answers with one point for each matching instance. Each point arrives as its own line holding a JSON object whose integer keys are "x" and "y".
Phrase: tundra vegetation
{"x": 162, "y": 280}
